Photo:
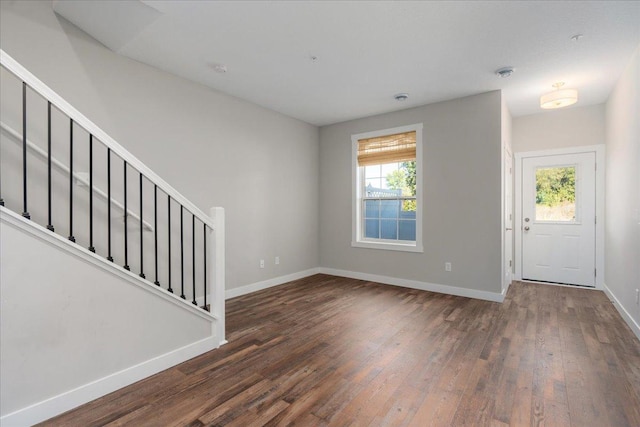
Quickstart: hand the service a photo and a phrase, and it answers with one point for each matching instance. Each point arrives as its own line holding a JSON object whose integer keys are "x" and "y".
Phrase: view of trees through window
{"x": 404, "y": 179}
{"x": 556, "y": 193}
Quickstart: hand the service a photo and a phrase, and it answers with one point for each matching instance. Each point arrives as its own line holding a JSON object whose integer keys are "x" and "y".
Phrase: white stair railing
{"x": 203, "y": 249}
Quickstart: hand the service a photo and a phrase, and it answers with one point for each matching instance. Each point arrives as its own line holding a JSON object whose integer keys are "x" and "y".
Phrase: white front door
{"x": 558, "y": 218}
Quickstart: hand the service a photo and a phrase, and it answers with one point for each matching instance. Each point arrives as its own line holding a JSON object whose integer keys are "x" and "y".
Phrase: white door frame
{"x": 506, "y": 152}
{"x": 599, "y": 151}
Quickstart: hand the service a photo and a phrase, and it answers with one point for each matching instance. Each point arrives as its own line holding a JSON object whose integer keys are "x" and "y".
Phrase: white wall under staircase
{"x": 74, "y": 327}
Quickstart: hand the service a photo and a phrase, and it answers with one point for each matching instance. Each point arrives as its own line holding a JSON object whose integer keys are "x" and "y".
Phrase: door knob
{"x": 526, "y": 220}
{"x": 526, "y": 228}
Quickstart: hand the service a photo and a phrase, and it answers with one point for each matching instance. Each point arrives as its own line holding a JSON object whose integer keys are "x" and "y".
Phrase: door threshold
{"x": 571, "y": 285}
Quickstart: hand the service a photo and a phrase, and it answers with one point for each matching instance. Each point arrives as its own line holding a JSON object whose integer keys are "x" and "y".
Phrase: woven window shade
{"x": 400, "y": 147}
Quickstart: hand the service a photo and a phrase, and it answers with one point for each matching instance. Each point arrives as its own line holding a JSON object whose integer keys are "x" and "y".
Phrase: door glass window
{"x": 556, "y": 194}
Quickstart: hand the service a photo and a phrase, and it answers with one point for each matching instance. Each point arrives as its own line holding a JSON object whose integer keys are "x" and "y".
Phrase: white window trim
{"x": 357, "y": 241}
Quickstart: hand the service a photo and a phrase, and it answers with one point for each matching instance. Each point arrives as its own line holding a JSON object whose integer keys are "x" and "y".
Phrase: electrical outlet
{"x": 277, "y": 260}
{"x": 447, "y": 266}
{"x": 261, "y": 263}
{"x": 637, "y": 296}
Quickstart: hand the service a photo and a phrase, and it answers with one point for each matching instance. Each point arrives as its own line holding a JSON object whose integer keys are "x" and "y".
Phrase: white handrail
{"x": 78, "y": 177}
{"x": 81, "y": 120}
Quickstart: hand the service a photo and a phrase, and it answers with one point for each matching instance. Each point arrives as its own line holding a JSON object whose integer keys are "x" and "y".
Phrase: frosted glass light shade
{"x": 559, "y": 99}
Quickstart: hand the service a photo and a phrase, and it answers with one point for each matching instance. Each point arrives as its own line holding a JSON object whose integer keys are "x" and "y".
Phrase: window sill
{"x": 388, "y": 246}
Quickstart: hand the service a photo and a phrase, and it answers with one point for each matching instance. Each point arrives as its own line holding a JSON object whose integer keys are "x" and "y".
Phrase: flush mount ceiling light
{"x": 558, "y": 98}
{"x": 401, "y": 96}
{"x": 505, "y": 72}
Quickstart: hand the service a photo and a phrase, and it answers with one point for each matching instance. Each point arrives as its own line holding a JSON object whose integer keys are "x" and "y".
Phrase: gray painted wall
{"x": 622, "y": 227}
{"x": 507, "y": 125}
{"x": 215, "y": 149}
{"x": 573, "y": 127}
{"x": 461, "y": 195}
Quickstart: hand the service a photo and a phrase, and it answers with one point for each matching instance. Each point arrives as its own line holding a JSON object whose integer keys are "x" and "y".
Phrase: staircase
{"x": 102, "y": 260}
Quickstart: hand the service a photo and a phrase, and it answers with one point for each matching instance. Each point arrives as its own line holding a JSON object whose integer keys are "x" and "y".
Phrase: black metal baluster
{"x": 73, "y": 239}
{"x": 109, "y": 257}
{"x": 91, "y": 248}
{"x": 155, "y": 229}
{"x": 126, "y": 217}
{"x": 182, "y": 253}
{"x": 169, "y": 239}
{"x": 193, "y": 257}
{"x": 49, "y": 222}
{"x": 204, "y": 234}
{"x": 141, "y": 232}
{"x": 25, "y": 212}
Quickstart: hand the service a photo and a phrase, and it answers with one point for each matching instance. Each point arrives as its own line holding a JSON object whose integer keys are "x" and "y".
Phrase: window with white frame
{"x": 387, "y": 202}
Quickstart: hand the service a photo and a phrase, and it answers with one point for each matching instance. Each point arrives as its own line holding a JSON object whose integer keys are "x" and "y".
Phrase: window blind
{"x": 399, "y": 147}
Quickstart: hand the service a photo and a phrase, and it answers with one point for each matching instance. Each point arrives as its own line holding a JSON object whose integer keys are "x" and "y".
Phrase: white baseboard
{"x": 56, "y": 405}
{"x": 623, "y": 311}
{"x": 258, "y": 286}
{"x": 504, "y": 293}
{"x": 415, "y": 284}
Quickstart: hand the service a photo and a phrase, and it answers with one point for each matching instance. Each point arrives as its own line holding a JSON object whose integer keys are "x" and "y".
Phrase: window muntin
{"x": 386, "y": 189}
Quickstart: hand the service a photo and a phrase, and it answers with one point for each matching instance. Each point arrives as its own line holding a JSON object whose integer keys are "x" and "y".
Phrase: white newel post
{"x": 218, "y": 262}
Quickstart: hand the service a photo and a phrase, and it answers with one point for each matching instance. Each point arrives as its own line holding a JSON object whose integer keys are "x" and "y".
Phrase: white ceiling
{"x": 367, "y": 51}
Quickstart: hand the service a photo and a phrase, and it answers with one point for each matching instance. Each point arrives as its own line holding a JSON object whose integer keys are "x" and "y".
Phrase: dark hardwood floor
{"x": 333, "y": 351}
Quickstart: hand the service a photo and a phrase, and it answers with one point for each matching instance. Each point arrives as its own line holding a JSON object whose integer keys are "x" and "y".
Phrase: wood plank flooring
{"x": 329, "y": 351}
